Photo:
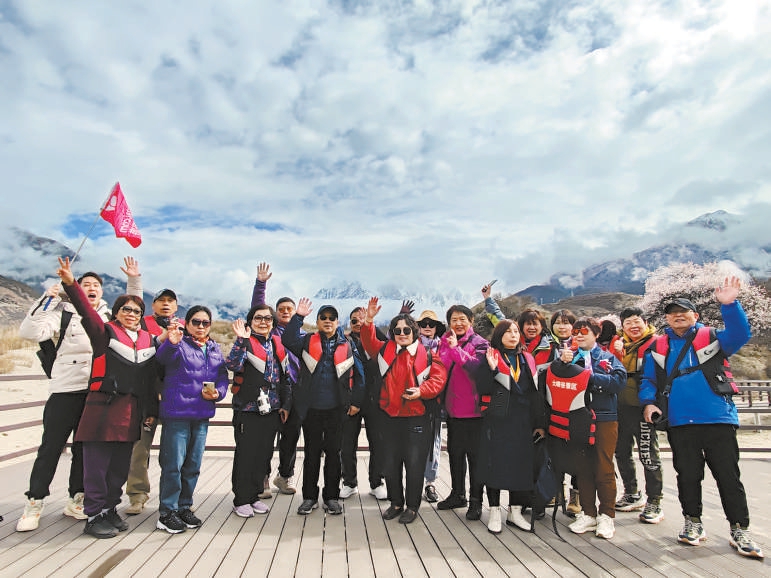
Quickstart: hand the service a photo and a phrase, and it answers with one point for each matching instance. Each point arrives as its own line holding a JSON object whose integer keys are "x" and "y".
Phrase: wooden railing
{"x": 754, "y": 398}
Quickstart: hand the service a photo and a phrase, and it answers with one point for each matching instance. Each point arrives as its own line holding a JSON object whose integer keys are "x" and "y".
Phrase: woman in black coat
{"x": 512, "y": 420}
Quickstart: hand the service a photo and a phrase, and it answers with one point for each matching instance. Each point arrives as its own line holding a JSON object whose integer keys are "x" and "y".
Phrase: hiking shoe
{"x": 380, "y": 492}
{"x": 474, "y": 511}
{"x": 393, "y": 512}
{"x": 408, "y": 516}
{"x": 74, "y": 507}
{"x": 574, "y": 504}
{"x": 348, "y": 491}
{"x": 605, "y": 527}
{"x": 189, "y": 518}
{"x": 430, "y": 494}
{"x": 652, "y": 513}
{"x": 260, "y": 507}
{"x": 99, "y": 527}
{"x": 172, "y": 523}
{"x": 515, "y": 518}
{"x": 266, "y": 494}
{"x": 307, "y": 507}
{"x": 494, "y": 525}
{"x": 333, "y": 507}
{"x": 284, "y": 485}
{"x": 630, "y": 502}
{"x": 693, "y": 532}
{"x": 30, "y": 519}
{"x": 453, "y": 501}
{"x": 244, "y": 510}
{"x": 744, "y": 545}
{"x": 114, "y": 518}
{"x": 583, "y": 523}
{"x": 136, "y": 504}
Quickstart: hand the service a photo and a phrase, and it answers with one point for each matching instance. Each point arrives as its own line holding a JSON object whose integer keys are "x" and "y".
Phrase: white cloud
{"x": 434, "y": 144}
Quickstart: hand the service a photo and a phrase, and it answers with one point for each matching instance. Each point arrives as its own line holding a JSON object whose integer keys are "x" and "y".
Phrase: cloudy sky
{"x": 419, "y": 144}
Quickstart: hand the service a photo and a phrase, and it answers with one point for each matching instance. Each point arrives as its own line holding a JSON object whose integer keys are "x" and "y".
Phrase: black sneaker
{"x": 474, "y": 511}
{"x": 431, "y": 495}
{"x": 114, "y": 518}
{"x": 453, "y": 501}
{"x": 99, "y": 527}
{"x": 189, "y": 518}
{"x": 307, "y": 507}
{"x": 172, "y": 523}
{"x": 333, "y": 507}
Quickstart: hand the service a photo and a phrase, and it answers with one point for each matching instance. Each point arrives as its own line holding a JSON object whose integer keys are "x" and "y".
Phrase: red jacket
{"x": 409, "y": 367}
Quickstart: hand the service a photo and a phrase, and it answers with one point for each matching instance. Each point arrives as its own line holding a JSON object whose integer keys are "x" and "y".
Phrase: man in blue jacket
{"x": 702, "y": 416}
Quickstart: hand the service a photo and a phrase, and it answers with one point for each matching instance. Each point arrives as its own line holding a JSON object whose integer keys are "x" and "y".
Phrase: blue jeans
{"x": 182, "y": 445}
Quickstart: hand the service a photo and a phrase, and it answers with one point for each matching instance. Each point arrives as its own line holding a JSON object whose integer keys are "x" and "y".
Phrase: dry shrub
{"x": 6, "y": 365}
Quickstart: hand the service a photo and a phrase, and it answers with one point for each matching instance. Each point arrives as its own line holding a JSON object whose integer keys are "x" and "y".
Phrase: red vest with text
{"x": 570, "y": 419}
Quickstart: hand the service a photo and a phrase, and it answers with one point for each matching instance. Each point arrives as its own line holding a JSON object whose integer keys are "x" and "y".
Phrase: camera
{"x": 263, "y": 403}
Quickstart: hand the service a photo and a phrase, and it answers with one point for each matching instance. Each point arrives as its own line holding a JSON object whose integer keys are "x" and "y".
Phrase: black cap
{"x": 164, "y": 293}
{"x": 327, "y": 308}
{"x": 680, "y": 302}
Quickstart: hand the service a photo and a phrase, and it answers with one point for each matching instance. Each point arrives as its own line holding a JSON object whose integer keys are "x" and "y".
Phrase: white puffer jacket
{"x": 72, "y": 368}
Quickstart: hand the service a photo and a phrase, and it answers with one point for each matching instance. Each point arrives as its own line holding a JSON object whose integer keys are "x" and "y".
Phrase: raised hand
{"x": 241, "y": 330}
{"x": 131, "y": 268}
{"x": 175, "y": 332}
{"x": 486, "y": 291}
{"x": 263, "y": 272}
{"x": 304, "y": 307}
{"x": 452, "y": 339}
{"x": 54, "y": 290}
{"x": 492, "y": 358}
{"x": 408, "y": 307}
{"x": 65, "y": 272}
{"x": 566, "y": 355}
{"x": 729, "y": 291}
{"x": 373, "y": 308}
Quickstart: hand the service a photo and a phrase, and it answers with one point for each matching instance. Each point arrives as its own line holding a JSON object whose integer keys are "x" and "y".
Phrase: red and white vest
{"x": 343, "y": 355}
{"x": 127, "y": 365}
{"x": 567, "y": 397}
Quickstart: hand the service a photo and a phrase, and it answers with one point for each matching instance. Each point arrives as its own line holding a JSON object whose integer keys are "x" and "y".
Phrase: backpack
{"x": 47, "y": 352}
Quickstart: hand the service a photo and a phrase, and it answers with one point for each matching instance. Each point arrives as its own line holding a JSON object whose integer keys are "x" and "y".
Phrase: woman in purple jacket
{"x": 195, "y": 378}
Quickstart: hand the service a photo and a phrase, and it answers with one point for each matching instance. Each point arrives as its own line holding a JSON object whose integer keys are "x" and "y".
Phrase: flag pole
{"x": 98, "y": 214}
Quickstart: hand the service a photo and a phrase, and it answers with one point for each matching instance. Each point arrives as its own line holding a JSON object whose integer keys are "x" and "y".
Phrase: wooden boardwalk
{"x": 360, "y": 544}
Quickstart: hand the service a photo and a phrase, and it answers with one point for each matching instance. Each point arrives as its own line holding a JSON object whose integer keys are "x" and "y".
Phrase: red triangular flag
{"x": 117, "y": 213}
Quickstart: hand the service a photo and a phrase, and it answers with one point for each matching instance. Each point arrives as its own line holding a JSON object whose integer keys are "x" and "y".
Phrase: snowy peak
{"x": 715, "y": 221}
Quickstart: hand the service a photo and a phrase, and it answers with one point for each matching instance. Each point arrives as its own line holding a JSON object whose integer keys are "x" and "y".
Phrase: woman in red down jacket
{"x": 409, "y": 373}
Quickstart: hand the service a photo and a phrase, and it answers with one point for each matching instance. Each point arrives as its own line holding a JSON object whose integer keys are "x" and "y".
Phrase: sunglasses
{"x": 200, "y": 322}
{"x": 581, "y": 330}
{"x": 130, "y": 310}
{"x": 427, "y": 323}
{"x": 262, "y": 318}
{"x": 400, "y": 330}
{"x": 355, "y": 321}
{"x": 327, "y": 318}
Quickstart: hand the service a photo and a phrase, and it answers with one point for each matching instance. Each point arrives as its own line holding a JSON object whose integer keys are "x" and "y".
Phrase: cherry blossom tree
{"x": 697, "y": 283}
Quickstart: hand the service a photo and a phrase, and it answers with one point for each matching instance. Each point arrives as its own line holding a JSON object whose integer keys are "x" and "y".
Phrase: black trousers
{"x": 631, "y": 428}
{"x": 289, "y": 435}
{"x": 254, "y": 435}
{"x": 322, "y": 432}
{"x": 409, "y": 440}
{"x": 373, "y": 418}
{"x": 463, "y": 435}
{"x": 716, "y": 445}
{"x": 61, "y": 416}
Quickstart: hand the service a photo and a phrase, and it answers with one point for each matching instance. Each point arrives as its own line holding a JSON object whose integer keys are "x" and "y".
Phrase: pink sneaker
{"x": 244, "y": 510}
{"x": 260, "y": 507}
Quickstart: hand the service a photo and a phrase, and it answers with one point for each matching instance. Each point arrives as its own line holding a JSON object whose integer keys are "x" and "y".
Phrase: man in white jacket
{"x": 68, "y": 388}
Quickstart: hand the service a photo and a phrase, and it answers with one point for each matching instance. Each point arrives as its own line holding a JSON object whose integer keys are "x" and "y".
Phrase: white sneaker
{"x": 515, "y": 518}
{"x": 605, "y": 527}
{"x": 583, "y": 523}
{"x": 347, "y": 492}
{"x": 74, "y": 507}
{"x": 30, "y": 519}
{"x": 494, "y": 522}
{"x": 381, "y": 493}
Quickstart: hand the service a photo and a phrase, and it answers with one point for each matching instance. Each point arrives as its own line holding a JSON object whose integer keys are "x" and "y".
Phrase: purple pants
{"x": 105, "y": 470}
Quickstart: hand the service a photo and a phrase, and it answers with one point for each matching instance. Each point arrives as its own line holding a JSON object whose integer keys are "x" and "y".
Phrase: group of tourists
{"x": 577, "y": 389}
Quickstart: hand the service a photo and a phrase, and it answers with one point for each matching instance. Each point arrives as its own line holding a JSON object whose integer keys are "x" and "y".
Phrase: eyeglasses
{"x": 399, "y": 330}
{"x": 287, "y": 309}
{"x": 582, "y": 330}
{"x": 262, "y": 318}
{"x": 200, "y": 322}
{"x": 130, "y": 310}
{"x": 355, "y": 321}
{"x": 327, "y": 318}
{"x": 427, "y": 323}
